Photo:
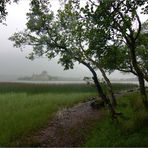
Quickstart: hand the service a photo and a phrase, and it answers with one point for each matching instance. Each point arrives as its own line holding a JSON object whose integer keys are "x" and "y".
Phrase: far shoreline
{"x": 70, "y": 82}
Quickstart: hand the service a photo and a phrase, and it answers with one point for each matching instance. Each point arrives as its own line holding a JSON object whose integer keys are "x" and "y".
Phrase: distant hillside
{"x": 44, "y": 76}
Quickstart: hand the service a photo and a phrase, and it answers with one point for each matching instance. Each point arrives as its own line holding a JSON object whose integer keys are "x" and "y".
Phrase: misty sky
{"x": 13, "y": 61}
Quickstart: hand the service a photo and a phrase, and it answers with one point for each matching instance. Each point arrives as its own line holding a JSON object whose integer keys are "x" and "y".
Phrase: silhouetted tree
{"x": 63, "y": 34}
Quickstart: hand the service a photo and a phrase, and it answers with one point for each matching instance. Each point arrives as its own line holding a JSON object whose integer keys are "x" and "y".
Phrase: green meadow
{"x": 26, "y": 107}
{"x": 130, "y": 130}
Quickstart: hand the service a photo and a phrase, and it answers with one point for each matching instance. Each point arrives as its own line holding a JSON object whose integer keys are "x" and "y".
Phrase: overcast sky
{"x": 13, "y": 61}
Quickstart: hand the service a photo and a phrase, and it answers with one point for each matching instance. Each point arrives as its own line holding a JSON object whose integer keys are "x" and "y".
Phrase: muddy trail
{"x": 68, "y": 128}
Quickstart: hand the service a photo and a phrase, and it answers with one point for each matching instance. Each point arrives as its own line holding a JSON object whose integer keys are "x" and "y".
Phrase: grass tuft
{"x": 129, "y": 131}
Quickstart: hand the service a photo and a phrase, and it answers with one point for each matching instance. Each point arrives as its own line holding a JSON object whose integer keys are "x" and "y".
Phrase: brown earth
{"x": 67, "y": 129}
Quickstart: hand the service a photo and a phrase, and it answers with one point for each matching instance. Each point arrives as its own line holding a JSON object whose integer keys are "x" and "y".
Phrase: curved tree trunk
{"x": 140, "y": 76}
{"x": 99, "y": 89}
{"x": 109, "y": 85}
{"x": 142, "y": 90}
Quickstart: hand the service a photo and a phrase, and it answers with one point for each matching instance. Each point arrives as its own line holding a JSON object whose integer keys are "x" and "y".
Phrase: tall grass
{"x": 21, "y": 113}
{"x": 56, "y": 88}
{"x": 122, "y": 87}
{"x": 45, "y": 88}
{"x": 26, "y": 107}
{"x": 131, "y": 130}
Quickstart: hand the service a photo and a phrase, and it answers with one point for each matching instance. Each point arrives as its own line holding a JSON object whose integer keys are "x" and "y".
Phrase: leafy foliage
{"x": 67, "y": 34}
{"x": 100, "y": 36}
{"x": 3, "y": 11}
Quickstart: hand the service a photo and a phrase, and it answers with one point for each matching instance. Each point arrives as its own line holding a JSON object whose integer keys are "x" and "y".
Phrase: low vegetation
{"x": 33, "y": 88}
{"x": 111, "y": 32}
{"x": 45, "y": 88}
{"x": 130, "y": 129}
{"x": 26, "y": 107}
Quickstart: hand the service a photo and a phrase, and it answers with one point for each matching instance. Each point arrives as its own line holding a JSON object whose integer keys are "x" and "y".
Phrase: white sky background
{"x": 13, "y": 61}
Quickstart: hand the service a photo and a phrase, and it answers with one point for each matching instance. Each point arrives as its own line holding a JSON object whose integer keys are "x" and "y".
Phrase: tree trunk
{"x": 139, "y": 75}
{"x": 142, "y": 90}
{"x": 146, "y": 77}
{"x": 109, "y": 85}
{"x": 99, "y": 90}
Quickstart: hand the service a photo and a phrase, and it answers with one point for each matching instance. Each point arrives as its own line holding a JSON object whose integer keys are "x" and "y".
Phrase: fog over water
{"x": 13, "y": 62}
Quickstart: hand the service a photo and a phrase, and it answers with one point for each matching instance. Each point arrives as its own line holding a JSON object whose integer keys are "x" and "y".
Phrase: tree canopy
{"x": 66, "y": 34}
{"x": 92, "y": 35}
{"x": 3, "y": 11}
{"x": 117, "y": 18}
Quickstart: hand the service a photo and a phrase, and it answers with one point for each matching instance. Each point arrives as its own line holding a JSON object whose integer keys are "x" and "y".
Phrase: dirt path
{"x": 67, "y": 128}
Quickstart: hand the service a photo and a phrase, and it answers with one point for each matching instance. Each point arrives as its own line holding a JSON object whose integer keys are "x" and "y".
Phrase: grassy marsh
{"x": 26, "y": 107}
{"x": 129, "y": 131}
